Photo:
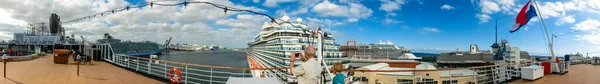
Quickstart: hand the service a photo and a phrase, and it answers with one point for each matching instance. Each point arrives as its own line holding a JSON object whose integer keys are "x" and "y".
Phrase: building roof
{"x": 455, "y": 73}
{"x": 424, "y": 66}
{"x": 464, "y": 58}
{"x": 495, "y": 45}
{"x": 376, "y": 66}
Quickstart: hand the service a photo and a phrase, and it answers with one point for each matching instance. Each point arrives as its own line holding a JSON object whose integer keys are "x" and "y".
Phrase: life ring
{"x": 175, "y": 78}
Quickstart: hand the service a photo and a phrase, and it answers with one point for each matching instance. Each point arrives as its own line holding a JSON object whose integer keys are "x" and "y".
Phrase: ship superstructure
{"x": 275, "y": 43}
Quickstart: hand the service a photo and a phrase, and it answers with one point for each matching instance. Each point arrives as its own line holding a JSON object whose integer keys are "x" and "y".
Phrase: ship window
{"x": 405, "y": 81}
{"x": 427, "y": 81}
{"x": 450, "y": 82}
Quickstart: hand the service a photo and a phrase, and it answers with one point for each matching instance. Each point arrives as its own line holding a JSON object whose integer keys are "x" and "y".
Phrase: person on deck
{"x": 309, "y": 70}
{"x": 339, "y": 77}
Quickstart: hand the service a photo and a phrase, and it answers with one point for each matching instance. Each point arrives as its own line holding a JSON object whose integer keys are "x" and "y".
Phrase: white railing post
{"x": 165, "y": 70}
{"x": 211, "y": 75}
{"x": 186, "y": 73}
{"x": 149, "y": 66}
{"x": 127, "y": 59}
{"x": 137, "y": 65}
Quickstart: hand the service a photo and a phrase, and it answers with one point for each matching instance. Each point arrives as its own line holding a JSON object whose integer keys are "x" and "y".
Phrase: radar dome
{"x": 299, "y": 20}
{"x": 285, "y": 18}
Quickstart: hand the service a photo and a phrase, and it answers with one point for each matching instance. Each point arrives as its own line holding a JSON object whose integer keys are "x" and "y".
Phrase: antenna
{"x": 496, "y": 31}
{"x": 329, "y": 25}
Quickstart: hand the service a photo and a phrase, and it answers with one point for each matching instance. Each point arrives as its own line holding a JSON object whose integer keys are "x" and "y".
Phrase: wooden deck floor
{"x": 578, "y": 74}
{"x": 43, "y": 71}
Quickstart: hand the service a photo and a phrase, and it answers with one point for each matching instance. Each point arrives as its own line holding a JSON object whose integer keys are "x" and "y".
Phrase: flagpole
{"x": 550, "y": 42}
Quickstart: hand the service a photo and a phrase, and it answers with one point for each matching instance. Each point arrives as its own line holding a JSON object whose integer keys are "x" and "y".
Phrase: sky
{"x": 420, "y": 25}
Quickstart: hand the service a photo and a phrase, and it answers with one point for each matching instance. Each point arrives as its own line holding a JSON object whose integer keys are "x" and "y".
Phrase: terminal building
{"x": 41, "y": 38}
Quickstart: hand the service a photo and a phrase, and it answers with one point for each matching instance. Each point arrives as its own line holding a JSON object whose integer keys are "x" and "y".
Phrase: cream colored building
{"x": 421, "y": 74}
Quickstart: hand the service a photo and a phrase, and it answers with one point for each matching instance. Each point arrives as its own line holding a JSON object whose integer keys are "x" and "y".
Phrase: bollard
{"x": 5, "y": 58}
{"x": 77, "y": 64}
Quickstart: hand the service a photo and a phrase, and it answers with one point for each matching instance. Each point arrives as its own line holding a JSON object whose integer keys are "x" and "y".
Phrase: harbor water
{"x": 203, "y": 74}
{"x": 233, "y": 59}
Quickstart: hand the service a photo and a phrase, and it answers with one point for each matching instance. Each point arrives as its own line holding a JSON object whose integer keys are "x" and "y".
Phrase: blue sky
{"x": 457, "y": 27}
{"x": 424, "y": 25}
{"x": 421, "y": 25}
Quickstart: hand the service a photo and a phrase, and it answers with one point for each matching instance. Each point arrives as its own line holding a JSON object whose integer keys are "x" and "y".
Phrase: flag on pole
{"x": 526, "y": 13}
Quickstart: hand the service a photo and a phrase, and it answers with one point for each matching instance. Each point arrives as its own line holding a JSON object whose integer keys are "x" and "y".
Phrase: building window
{"x": 450, "y": 82}
{"x": 427, "y": 81}
{"x": 405, "y": 81}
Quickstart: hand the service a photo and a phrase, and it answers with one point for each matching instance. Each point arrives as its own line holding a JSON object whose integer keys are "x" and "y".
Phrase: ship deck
{"x": 578, "y": 74}
{"x": 43, "y": 71}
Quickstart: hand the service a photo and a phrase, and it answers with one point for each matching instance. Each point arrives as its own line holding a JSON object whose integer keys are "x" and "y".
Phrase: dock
{"x": 43, "y": 71}
{"x": 578, "y": 74}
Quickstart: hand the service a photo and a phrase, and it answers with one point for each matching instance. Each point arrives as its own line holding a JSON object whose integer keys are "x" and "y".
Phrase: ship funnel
{"x": 474, "y": 49}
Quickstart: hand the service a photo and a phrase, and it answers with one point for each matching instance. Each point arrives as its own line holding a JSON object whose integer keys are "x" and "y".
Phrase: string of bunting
{"x": 158, "y": 3}
{"x": 184, "y": 4}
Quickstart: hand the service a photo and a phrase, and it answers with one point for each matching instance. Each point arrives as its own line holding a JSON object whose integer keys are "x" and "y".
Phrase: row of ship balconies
{"x": 285, "y": 62}
{"x": 297, "y": 49}
{"x": 282, "y": 55}
{"x": 300, "y": 42}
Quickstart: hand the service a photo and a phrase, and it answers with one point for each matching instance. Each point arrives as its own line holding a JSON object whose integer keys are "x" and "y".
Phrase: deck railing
{"x": 190, "y": 73}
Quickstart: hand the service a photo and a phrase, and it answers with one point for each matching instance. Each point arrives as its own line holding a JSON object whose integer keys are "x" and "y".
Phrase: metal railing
{"x": 190, "y": 73}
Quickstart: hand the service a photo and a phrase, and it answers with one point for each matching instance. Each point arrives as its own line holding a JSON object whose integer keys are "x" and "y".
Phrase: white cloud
{"x": 429, "y": 29}
{"x": 526, "y": 28}
{"x": 154, "y": 24}
{"x": 292, "y": 13}
{"x": 592, "y": 29}
{"x": 483, "y": 18}
{"x": 390, "y": 6}
{"x": 315, "y": 22}
{"x": 390, "y": 21}
{"x": 489, "y": 7}
{"x": 275, "y": 3}
{"x": 446, "y": 7}
{"x": 565, "y": 19}
{"x": 256, "y": 1}
{"x": 507, "y": 6}
{"x": 405, "y": 27}
{"x": 548, "y": 9}
{"x": 352, "y": 20}
{"x": 353, "y": 12}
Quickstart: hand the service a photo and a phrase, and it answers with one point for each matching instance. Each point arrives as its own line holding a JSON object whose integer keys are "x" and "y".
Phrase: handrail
{"x": 475, "y": 67}
{"x": 198, "y": 73}
{"x": 209, "y": 66}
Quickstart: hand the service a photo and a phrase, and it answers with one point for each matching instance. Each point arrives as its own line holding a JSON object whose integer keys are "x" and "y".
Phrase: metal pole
{"x": 149, "y": 66}
{"x": 165, "y": 70}
{"x": 550, "y": 44}
{"x": 186, "y": 73}
{"x": 137, "y": 65}
{"x": 211, "y": 75}
{"x": 77, "y": 66}
{"x": 5, "y": 67}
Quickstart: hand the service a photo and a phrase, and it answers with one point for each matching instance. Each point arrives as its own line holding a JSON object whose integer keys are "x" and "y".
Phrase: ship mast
{"x": 550, "y": 42}
{"x": 496, "y": 31}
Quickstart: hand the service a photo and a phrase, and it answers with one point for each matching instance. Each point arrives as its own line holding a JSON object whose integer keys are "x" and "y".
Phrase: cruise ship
{"x": 129, "y": 48}
{"x": 274, "y": 44}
